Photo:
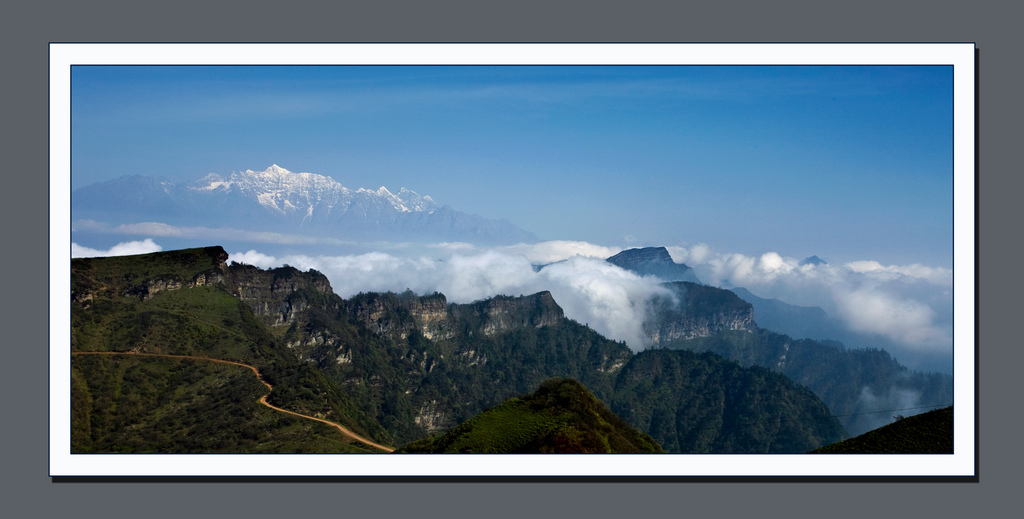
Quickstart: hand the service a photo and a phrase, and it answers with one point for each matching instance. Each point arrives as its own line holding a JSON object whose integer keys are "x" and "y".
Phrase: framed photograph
{"x": 513, "y": 260}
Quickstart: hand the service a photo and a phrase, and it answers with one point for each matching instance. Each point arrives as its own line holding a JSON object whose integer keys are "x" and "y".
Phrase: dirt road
{"x": 263, "y": 399}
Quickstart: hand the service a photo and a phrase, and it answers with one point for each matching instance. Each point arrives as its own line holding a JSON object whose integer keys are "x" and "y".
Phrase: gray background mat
{"x": 28, "y": 28}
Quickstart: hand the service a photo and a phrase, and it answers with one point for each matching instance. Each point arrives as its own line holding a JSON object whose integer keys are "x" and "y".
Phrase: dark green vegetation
{"x": 560, "y": 417}
{"x": 861, "y": 386}
{"x": 702, "y": 403}
{"x": 926, "y": 433}
{"x": 391, "y": 367}
{"x": 422, "y": 366}
{"x": 854, "y": 383}
{"x": 159, "y": 405}
{"x": 694, "y": 310}
{"x": 137, "y": 304}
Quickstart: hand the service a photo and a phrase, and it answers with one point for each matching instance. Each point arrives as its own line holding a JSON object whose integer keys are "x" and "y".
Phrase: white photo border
{"x": 962, "y": 463}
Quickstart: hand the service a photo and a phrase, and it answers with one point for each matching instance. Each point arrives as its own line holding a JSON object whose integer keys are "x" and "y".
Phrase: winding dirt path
{"x": 263, "y": 399}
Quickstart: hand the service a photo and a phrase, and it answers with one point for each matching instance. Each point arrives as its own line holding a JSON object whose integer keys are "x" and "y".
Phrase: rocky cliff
{"x": 397, "y": 315}
{"x": 697, "y": 311}
{"x": 278, "y": 295}
{"x": 400, "y": 365}
{"x": 503, "y": 313}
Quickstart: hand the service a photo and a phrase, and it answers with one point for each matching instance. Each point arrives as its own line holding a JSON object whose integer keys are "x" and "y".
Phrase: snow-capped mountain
{"x": 282, "y": 201}
{"x": 281, "y": 191}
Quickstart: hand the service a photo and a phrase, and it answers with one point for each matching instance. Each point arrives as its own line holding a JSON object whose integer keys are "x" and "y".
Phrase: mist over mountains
{"x": 376, "y": 240}
{"x": 643, "y": 297}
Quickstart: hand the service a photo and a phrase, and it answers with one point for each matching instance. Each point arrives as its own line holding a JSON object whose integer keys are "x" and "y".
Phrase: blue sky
{"x": 848, "y": 163}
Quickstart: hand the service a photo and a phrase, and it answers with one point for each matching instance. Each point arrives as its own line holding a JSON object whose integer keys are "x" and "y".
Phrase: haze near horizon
{"x": 740, "y": 171}
{"x": 850, "y": 163}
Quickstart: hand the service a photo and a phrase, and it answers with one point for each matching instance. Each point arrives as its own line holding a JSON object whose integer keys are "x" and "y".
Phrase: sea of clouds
{"x": 910, "y": 305}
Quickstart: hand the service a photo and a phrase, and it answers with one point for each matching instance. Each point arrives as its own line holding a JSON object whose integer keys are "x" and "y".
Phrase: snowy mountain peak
{"x": 285, "y": 192}
{"x": 415, "y": 202}
{"x": 281, "y": 201}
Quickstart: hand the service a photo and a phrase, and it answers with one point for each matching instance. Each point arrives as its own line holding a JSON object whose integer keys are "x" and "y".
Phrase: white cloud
{"x": 908, "y": 304}
{"x": 876, "y": 311}
{"x": 472, "y": 277}
{"x": 938, "y": 276}
{"x": 558, "y": 250}
{"x": 696, "y": 254}
{"x": 372, "y": 272}
{"x": 609, "y": 299}
{"x": 121, "y": 249}
{"x": 255, "y": 258}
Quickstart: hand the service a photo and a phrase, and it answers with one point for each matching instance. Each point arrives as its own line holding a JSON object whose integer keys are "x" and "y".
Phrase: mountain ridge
{"x": 653, "y": 261}
{"x": 370, "y": 363}
{"x": 561, "y": 416}
{"x": 278, "y": 200}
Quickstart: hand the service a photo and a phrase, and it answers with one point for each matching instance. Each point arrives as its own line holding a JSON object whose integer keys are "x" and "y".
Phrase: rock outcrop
{"x": 278, "y": 296}
{"x": 503, "y": 313}
{"x": 697, "y": 311}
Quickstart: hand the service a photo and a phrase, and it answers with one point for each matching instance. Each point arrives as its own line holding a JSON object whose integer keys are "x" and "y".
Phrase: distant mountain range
{"x": 278, "y": 200}
{"x": 804, "y": 322}
{"x": 812, "y": 322}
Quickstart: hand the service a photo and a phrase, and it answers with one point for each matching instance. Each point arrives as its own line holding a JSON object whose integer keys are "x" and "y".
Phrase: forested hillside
{"x": 392, "y": 367}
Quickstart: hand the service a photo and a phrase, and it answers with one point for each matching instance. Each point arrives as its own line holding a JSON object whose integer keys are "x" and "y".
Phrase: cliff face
{"x": 699, "y": 326}
{"x": 504, "y": 313}
{"x": 397, "y": 315}
{"x": 400, "y": 364}
{"x": 697, "y": 311}
{"x": 280, "y": 295}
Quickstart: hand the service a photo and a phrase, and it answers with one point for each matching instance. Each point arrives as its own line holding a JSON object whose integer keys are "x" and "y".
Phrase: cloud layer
{"x": 909, "y": 304}
{"x": 121, "y": 249}
{"x": 590, "y": 290}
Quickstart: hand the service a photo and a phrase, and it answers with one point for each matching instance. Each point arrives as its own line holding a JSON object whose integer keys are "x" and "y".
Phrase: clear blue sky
{"x": 849, "y": 163}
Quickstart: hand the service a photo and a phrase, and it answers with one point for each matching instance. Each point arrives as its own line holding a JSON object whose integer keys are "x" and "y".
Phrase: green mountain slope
{"x": 136, "y": 404}
{"x": 560, "y": 417}
{"x": 422, "y": 366}
{"x": 858, "y": 385}
{"x": 926, "y": 433}
{"x": 180, "y": 303}
{"x": 397, "y": 367}
{"x": 703, "y": 403}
